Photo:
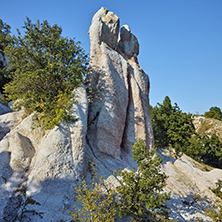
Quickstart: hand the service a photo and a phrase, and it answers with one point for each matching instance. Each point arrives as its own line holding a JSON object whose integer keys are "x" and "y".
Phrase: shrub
{"x": 141, "y": 192}
{"x": 97, "y": 202}
{"x": 45, "y": 69}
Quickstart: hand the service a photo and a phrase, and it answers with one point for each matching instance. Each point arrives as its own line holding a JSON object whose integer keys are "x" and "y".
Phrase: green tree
{"x": 180, "y": 129}
{"x": 4, "y": 33}
{"x": 4, "y": 40}
{"x": 174, "y": 128}
{"x": 215, "y": 212}
{"x": 171, "y": 126}
{"x": 206, "y": 148}
{"x": 141, "y": 190}
{"x": 215, "y": 113}
{"x": 160, "y": 115}
{"x": 45, "y": 69}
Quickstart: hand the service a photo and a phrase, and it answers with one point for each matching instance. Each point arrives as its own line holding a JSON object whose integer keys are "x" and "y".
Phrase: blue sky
{"x": 180, "y": 41}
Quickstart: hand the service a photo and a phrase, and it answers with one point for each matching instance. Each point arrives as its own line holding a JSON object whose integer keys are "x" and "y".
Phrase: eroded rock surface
{"x": 118, "y": 89}
{"x": 208, "y": 126}
{"x": 47, "y": 163}
{"x": 190, "y": 186}
{"x": 113, "y": 112}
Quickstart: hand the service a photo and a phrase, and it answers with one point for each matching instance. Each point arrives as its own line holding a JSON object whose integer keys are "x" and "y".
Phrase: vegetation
{"x": 27, "y": 201}
{"x": 141, "y": 190}
{"x": 171, "y": 126}
{"x": 218, "y": 188}
{"x": 206, "y": 149}
{"x": 4, "y": 40}
{"x": 140, "y": 195}
{"x": 97, "y": 202}
{"x": 45, "y": 69}
{"x": 175, "y": 129}
{"x": 216, "y": 213}
{"x": 214, "y": 112}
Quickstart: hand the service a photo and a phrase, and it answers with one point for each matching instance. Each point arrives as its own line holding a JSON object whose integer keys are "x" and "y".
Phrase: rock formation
{"x": 113, "y": 112}
{"x": 118, "y": 89}
{"x": 48, "y": 163}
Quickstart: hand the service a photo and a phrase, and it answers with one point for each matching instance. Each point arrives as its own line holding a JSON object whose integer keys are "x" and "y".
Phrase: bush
{"x": 45, "y": 69}
{"x": 171, "y": 126}
{"x": 206, "y": 149}
{"x": 216, "y": 213}
{"x": 140, "y": 194}
{"x": 141, "y": 191}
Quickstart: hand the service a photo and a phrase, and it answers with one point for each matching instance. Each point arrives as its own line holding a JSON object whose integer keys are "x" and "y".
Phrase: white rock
{"x": 119, "y": 92}
{"x": 128, "y": 43}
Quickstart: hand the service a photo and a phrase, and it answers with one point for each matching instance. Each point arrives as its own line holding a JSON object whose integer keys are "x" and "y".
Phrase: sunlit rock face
{"x": 118, "y": 89}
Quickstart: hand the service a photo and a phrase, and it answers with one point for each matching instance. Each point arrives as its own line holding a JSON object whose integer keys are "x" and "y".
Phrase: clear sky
{"x": 180, "y": 41}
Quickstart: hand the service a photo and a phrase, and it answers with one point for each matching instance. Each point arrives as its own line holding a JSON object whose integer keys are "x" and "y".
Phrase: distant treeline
{"x": 174, "y": 128}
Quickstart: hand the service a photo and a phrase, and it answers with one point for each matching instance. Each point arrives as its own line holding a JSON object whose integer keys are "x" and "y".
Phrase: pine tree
{"x": 4, "y": 40}
{"x": 171, "y": 126}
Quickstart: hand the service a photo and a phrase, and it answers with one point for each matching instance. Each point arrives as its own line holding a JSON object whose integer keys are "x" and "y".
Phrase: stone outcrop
{"x": 112, "y": 112}
{"x": 190, "y": 184}
{"x": 118, "y": 89}
{"x": 48, "y": 163}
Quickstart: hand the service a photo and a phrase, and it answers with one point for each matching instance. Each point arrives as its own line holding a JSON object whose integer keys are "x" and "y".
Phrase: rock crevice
{"x": 120, "y": 107}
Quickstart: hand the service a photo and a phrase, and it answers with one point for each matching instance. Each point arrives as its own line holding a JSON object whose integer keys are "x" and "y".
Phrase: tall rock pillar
{"x": 118, "y": 89}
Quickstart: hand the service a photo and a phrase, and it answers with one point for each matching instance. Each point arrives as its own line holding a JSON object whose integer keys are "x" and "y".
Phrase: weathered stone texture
{"x": 119, "y": 110}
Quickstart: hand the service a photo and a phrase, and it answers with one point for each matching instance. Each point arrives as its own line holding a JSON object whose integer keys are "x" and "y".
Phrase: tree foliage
{"x": 141, "y": 191}
{"x": 45, "y": 69}
{"x": 4, "y": 32}
{"x": 174, "y": 128}
{"x": 4, "y": 40}
{"x": 171, "y": 126}
{"x": 206, "y": 149}
{"x": 140, "y": 194}
{"x": 214, "y": 112}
